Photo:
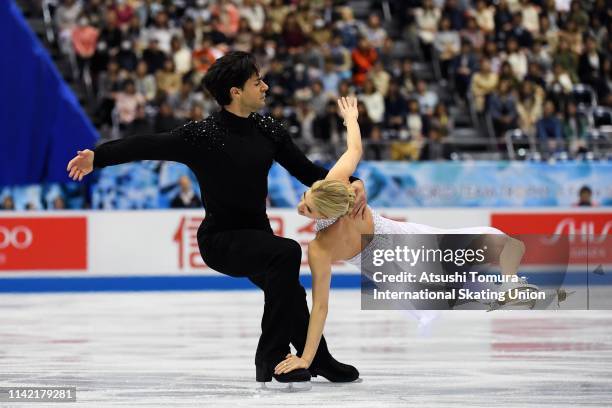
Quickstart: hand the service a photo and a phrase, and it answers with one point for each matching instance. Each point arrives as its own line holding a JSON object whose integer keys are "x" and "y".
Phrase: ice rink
{"x": 191, "y": 349}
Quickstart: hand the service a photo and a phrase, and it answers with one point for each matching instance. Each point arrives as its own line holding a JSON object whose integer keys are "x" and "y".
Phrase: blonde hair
{"x": 332, "y": 198}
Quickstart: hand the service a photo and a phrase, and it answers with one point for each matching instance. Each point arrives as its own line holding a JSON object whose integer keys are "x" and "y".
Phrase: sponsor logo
{"x": 43, "y": 243}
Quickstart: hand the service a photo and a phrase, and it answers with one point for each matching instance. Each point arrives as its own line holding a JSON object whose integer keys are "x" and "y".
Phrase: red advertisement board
{"x": 579, "y": 238}
{"x": 43, "y": 243}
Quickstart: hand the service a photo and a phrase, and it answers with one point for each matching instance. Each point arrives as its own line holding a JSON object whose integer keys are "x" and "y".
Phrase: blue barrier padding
{"x": 222, "y": 282}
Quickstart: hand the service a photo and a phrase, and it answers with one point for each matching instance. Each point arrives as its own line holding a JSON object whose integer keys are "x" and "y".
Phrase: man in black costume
{"x": 231, "y": 153}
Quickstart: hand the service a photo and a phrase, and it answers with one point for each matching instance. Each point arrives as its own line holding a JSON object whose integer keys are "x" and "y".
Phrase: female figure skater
{"x": 339, "y": 237}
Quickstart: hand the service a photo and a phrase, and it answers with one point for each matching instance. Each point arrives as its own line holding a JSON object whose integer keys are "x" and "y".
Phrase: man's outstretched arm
{"x": 172, "y": 146}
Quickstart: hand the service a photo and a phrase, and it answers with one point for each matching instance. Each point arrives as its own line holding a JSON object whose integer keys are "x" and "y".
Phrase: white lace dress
{"x": 384, "y": 227}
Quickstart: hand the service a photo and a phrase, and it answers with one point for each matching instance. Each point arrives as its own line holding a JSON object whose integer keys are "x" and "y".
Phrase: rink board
{"x": 157, "y": 250}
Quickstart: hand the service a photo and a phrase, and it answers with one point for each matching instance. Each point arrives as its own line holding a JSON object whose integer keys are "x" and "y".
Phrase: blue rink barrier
{"x": 222, "y": 282}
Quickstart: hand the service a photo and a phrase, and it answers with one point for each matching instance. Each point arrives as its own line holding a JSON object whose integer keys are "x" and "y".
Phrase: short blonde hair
{"x": 332, "y": 198}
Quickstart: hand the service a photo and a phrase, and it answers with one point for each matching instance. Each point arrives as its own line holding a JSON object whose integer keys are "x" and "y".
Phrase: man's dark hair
{"x": 233, "y": 69}
{"x": 585, "y": 189}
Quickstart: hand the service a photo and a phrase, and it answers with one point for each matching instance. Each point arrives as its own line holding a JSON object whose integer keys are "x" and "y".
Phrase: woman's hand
{"x": 81, "y": 165}
{"x": 290, "y": 363}
{"x": 347, "y": 107}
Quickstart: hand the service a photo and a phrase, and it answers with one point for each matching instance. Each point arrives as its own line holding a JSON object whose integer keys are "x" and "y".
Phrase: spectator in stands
{"x": 154, "y": 57}
{"x": 523, "y": 37}
{"x": 66, "y": 17}
{"x": 506, "y": 73}
{"x": 253, "y": 12}
{"x": 434, "y": 147}
{"x": 464, "y": 65}
{"x": 380, "y": 78}
{"x": 330, "y": 77}
{"x": 441, "y": 120}
{"x": 415, "y": 120}
{"x": 559, "y": 85}
{"x": 373, "y": 101}
{"x": 161, "y": 31}
{"x": 534, "y": 75}
{"x": 84, "y": 40}
{"x": 503, "y": 22}
{"x": 484, "y": 16}
{"x": 572, "y": 36}
{"x": 293, "y": 35}
{"x": 364, "y": 57}
{"x": 484, "y": 83}
{"x": 145, "y": 82}
{"x": 427, "y": 99}
{"x": 575, "y": 129}
{"x": 396, "y": 107}
{"x": 328, "y": 127}
{"x": 549, "y": 130}
{"x": 473, "y": 34}
{"x": 591, "y": 68}
{"x": 427, "y": 20}
{"x": 165, "y": 119}
{"x": 205, "y": 55}
{"x": 366, "y": 123}
{"x": 530, "y": 16}
{"x": 407, "y": 78}
{"x": 276, "y": 13}
{"x": 447, "y": 44}
{"x": 109, "y": 82}
{"x": 8, "y": 203}
{"x": 341, "y": 56}
{"x": 348, "y": 28}
{"x": 374, "y": 32}
{"x": 124, "y": 12}
{"x": 321, "y": 32}
{"x": 454, "y": 13}
{"x": 529, "y": 107}
{"x": 168, "y": 80}
{"x": 567, "y": 60}
{"x": 409, "y": 143}
{"x": 130, "y": 106}
{"x": 517, "y": 58}
{"x": 59, "y": 203}
{"x": 126, "y": 57}
{"x": 186, "y": 198}
{"x": 181, "y": 55}
{"x": 243, "y": 40}
{"x": 197, "y": 113}
{"x": 183, "y": 101}
{"x": 585, "y": 197}
{"x": 502, "y": 108}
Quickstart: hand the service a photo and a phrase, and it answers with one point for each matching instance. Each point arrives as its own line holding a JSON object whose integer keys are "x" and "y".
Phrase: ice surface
{"x": 189, "y": 349}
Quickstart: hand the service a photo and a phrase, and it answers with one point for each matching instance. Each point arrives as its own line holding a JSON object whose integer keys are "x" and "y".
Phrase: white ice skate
{"x": 514, "y": 295}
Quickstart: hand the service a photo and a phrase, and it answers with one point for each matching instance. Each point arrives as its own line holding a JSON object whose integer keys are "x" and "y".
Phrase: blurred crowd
{"x": 539, "y": 66}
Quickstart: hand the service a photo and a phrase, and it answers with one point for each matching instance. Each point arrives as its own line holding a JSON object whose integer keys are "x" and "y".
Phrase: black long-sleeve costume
{"x": 231, "y": 157}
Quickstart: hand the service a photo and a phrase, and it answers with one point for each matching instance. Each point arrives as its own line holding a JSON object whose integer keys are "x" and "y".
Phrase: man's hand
{"x": 360, "y": 199}
{"x": 81, "y": 165}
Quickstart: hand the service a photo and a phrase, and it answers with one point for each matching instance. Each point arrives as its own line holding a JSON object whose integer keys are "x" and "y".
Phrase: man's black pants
{"x": 273, "y": 264}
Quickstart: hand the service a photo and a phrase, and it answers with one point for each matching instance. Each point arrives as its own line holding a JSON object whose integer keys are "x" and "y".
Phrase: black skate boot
{"x": 333, "y": 370}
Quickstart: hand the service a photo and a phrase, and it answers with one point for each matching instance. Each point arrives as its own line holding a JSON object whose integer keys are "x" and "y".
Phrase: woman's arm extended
{"x": 346, "y": 165}
{"x": 320, "y": 260}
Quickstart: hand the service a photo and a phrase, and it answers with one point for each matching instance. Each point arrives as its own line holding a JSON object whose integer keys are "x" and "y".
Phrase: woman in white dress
{"x": 339, "y": 237}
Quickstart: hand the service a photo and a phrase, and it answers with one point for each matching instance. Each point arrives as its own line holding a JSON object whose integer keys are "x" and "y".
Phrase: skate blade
{"x": 274, "y": 386}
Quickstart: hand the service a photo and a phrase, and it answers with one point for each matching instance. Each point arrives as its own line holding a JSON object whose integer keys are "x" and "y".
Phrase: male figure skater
{"x": 231, "y": 153}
